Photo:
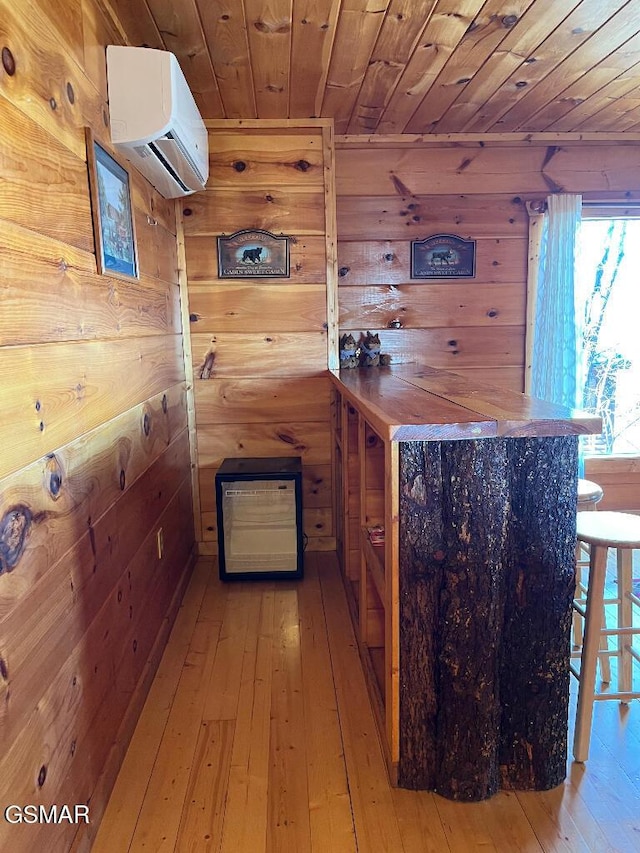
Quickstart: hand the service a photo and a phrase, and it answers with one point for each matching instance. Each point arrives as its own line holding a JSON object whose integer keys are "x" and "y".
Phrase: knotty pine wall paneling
{"x": 261, "y": 347}
{"x": 95, "y": 444}
{"x": 392, "y": 190}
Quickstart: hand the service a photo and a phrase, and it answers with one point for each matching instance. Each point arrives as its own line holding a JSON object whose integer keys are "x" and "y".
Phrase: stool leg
{"x": 605, "y": 663}
{"x": 577, "y": 621}
{"x": 603, "y": 659}
{"x": 590, "y": 647}
{"x": 624, "y": 559}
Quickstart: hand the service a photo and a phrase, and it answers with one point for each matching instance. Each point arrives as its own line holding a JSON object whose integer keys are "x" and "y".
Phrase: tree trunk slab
{"x": 486, "y": 575}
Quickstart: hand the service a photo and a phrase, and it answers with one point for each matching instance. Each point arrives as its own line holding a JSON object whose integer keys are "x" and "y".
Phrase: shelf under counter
{"x": 477, "y": 558}
{"x": 374, "y": 558}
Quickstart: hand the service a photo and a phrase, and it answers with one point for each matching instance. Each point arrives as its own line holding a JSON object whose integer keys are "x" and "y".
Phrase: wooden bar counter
{"x": 463, "y": 614}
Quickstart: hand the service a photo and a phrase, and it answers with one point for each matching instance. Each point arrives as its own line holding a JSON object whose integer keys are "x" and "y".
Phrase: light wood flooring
{"x": 258, "y": 735}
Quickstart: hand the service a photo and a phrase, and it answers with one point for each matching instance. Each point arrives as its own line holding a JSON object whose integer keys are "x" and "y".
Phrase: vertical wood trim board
{"x": 536, "y": 226}
{"x": 188, "y": 370}
{"x": 333, "y": 361}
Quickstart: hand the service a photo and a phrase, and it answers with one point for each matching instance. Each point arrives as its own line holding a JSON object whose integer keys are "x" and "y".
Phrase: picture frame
{"x": 112, "y": 212}
{"x": 253, "y": 253}
{"x": 443, "y": 256}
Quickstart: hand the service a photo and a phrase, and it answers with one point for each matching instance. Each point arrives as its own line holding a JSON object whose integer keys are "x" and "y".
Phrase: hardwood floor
{"x": 258, "y": 736}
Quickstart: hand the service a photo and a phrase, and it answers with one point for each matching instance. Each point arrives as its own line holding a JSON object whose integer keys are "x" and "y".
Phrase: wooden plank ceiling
{"x": 406, "y": 66}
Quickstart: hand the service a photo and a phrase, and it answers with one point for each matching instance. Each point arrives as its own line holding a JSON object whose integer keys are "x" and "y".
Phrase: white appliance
{"x": 155, "y": 122}
{"x": 259, "y": 515}
{"x": 260, "y": 526}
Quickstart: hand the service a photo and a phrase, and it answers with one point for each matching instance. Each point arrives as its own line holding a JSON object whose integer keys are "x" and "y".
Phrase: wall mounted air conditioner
{"x": 155, "y": 122}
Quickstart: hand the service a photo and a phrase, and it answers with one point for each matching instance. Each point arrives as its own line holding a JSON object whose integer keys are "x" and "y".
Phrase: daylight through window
{"x": 608, "y": 309}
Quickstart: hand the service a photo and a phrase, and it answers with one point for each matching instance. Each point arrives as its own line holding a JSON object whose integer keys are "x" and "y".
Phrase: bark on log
{"x": 486, "y": 572}
{"x": 540, "y": 587}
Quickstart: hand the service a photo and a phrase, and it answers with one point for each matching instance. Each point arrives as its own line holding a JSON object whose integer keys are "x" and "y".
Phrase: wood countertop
{"x": 414, "y": 402}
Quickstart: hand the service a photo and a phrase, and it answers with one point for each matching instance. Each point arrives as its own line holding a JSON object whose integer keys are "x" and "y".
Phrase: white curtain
{"x": 553, "y": 351}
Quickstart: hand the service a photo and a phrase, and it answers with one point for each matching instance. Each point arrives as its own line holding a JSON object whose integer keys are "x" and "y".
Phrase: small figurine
{"x": 370, "y": 350}
{"x": 349, "y": 351}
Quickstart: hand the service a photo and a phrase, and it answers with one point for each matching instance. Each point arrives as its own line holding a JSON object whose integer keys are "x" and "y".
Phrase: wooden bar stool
{"x": 601, "y": 531}
{"x": 589, "y": 496}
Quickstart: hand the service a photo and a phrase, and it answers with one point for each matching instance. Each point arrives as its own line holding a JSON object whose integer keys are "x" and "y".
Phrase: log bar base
{"x": 487, "y": 536}
{"x": 463, "y": 616}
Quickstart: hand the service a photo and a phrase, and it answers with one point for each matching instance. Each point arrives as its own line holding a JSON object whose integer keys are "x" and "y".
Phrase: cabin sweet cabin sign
{"x": 253, "y": 254}
{"x": 443, "y": 256}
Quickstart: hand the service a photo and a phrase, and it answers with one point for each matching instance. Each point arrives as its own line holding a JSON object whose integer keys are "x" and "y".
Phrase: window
{"x": 608, "y": 312}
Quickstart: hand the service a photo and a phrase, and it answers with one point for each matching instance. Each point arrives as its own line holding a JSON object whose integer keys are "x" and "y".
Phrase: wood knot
{"x": 55, "y": 484}
{"x": 303, "y": 165}
{"x": 71, "y": 95}
{"x": 8, "y": 61}
{"x": 239, "y": 165}
{"x": 42, "y": 775}
{"x": 286, "y": 438}
{"x": 53, "y": 476}
{"x": 14, "y": 529}
{"x": 343, "y": 271}
{"x": 146, "y": 424}
{"x": 123, "y": 479}
{"x": 165, "y": 403}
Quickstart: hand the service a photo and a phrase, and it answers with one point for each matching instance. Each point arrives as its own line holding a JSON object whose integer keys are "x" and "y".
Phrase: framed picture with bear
{"x": 253, "y": 254}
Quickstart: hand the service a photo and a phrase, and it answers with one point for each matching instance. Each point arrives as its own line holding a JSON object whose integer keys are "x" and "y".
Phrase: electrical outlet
{"x": 160, "y": 540}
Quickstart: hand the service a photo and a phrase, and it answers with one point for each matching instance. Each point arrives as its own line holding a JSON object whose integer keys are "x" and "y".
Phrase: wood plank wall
{"x": 260, "y": 347}
{"x": 393, "y": 190}
{"x": 619, "y": 478}
{"x": 95, "y": 452}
